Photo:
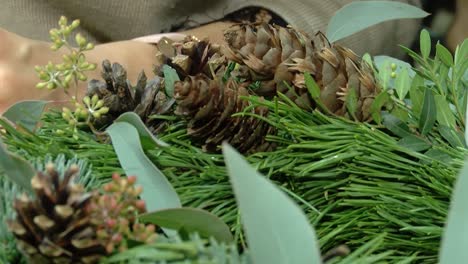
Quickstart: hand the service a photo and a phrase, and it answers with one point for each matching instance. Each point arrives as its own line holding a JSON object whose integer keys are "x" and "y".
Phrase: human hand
{"x": 19, "y": 56}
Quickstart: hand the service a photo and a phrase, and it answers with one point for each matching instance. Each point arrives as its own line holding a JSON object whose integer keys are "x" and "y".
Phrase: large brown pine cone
{"x": 209, "y": 104}
{"x": 275, "y": 55}
{"x": 55, "y": 227}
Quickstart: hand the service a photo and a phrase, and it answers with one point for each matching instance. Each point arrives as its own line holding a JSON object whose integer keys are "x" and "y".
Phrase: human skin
{"x": 19, "y": 55}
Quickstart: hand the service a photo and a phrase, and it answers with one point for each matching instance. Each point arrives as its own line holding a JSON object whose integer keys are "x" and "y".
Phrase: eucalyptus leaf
{"x": 425, "y": 43}
{"x": 158, "y": 192}
{"x": 15, "y": 168}
{"x": 267, "y": 213}
{"x": 428, "y": 113}
{"x": 170, "y": 77}
{"x": 445, "y": 115}
{"x": 402, "y": 84}
{"x": 191, "y": 220}
{"x": 397, "y": 126}
{"x": 414, "y": 143}
{"x": 26, "y": 113}
{"x": 455, "y": 237}
{"x": 148, "y": 140}
{"x": 358, "y": 16}
{"x": 444, "y": 55}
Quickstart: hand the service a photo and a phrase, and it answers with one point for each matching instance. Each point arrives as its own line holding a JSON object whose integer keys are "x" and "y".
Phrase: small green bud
{"x": 104, "y": 110}
{"x": 54, "y": 47}
{"x": 393, "y": 66}
{"x": 94, "y": 99}
{"x": 41, "y": 85}
{"x": 67, "y": 31}
{"x": 99, "y": 104}
{"x": 51, "y": 85}
{"x": 43, "y": 76}
{"x": 67, "y": 79}
{"x": 97, "y": 114}
{"x": 50, "y": 66}
{"x": 80, "y": 40}
{"x": 37, "y": 68}
{"x": 81, "y": 77}
{"x": 89, "y": 46}
{"x": 393, "y": 75}
{"x": 54, "y": 34}
{"x": 59, "y": 132}
{"x": 83, "y": 114}
{"x": 72, "y": 122}
{"x": 66, "y": 58}
{"x": 66, "y": 110}
{"x": 61, "y": 67}
{"x": 91, "y": 67}
{"x": 75, "y": 24}
{"x": 75, "y": 136}
{"x": 87, "y": 101}
{"x": 65, "y": 116}
{"x": 63, "y": 21}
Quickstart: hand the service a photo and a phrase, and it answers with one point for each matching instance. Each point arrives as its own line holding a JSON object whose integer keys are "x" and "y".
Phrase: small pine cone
{"x": 114, "y": 214}
{"x": 275, "y": 55}
{"x": 55, "y": 227}
{"x": 191, "y": 56}
{"x": 146, "y": 98}
{"x": 209, "y": 105}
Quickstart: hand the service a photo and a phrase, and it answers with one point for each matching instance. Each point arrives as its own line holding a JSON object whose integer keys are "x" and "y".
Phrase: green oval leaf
{"x": 267, "y": 215}
{"x": 414, "y": 143}
{"x": 170, "y": 77}
{"x": 444, "y": 55}
{"x": 455, "y": 237}
{"x": 191, "y": 220}
{"x": 425, "y": 43}
{"x": 357, "y": 16}
{"x": 26, "y": 113}
{"x": 402, "y": 83}
{"x": 158, "y": 192}
{"x": 416, "y": 95}
{"x": 15, "y": 168}
{"x": 428, "y": 112}
{"x": 445, "y": 116}
{"x": 376, "y": 107}
{"x": 148, "y": 140}
{"x": 452, "y": 136}
{"x": 397, "y": 126}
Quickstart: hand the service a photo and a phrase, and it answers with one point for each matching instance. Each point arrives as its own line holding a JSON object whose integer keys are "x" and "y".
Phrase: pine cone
{"x": 191, "y": 56}
{"x": 209, "y": 105}
{"x": 146, "y": 98}
{"x": 55, "y": 227}
{"x": 275, "y": 55}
